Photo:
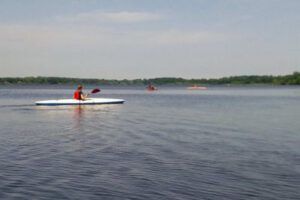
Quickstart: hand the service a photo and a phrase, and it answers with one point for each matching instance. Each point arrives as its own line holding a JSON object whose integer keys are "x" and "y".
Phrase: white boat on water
{"x": 88, "y": 101}
{"x": 196, "y": 87}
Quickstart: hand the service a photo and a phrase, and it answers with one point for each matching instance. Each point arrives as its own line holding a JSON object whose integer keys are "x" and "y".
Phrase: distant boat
{"x": 196, "y": 87}
{"x": 150, "y": 87}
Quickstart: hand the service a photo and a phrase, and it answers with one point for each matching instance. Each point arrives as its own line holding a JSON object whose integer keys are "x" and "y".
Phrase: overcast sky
{"x": 149, "y": 38}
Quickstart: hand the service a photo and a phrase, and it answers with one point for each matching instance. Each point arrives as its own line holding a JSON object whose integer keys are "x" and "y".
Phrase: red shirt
{"x": 77, "y": 95}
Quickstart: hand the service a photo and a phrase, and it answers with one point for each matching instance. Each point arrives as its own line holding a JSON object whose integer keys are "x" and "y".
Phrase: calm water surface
{"x": 222, "y": 143}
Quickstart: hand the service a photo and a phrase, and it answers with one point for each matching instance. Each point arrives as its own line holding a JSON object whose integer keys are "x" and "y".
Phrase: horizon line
{"x": 242, "y": 75}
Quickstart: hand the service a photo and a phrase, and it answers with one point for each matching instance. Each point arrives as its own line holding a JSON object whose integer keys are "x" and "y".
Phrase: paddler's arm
{"x": 84, "y": 96}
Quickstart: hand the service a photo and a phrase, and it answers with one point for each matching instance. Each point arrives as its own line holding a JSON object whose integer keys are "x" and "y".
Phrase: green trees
{"x": 292, "y": 79}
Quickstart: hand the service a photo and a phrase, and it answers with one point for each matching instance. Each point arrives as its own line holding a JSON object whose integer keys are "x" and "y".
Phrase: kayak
{"x": 88, "y": 101}
{"x": 196, "y": 88}
{"x": 151, "y": 89}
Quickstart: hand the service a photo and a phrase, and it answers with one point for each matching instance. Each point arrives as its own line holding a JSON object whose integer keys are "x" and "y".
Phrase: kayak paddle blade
{"x": 96, "y": 90}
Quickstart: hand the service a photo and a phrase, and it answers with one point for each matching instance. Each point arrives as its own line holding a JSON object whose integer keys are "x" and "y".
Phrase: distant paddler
{"x": 196, "y": 87}
{"x": 151, "y": 87}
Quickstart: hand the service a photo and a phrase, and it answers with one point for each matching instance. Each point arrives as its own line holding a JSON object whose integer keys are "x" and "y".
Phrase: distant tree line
{"x": 292, "y": 79}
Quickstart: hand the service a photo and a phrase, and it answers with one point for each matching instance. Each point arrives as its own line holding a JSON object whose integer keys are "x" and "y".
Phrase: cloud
{"x": 61, "y": 34}
{"x": 184, "y": 37}
{"x": 53, "y": 36}
{"x": 120, "y": 17}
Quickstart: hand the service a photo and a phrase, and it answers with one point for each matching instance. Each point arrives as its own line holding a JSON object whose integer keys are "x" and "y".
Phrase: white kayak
{"x": 88, "y": 101}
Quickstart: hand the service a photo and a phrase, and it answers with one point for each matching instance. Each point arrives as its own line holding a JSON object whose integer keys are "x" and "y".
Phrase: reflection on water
{"x": 77, "y": 113}
{"x": 95, "y": 112}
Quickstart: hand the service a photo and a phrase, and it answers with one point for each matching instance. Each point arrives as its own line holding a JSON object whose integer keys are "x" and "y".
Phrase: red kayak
{"x": 151, "y": 88}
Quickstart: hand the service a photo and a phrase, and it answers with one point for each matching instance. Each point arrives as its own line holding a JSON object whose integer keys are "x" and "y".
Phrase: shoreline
{"x": 142, "y": 87}
{"x": 290, "y": 79}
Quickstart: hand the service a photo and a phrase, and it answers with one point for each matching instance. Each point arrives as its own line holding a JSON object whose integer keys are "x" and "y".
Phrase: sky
{"x": 128, "y": 39}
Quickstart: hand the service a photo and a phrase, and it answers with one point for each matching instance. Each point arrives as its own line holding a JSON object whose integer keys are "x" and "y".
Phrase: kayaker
{"x": 78, "y": 94}
{"x": 150, "y": 87}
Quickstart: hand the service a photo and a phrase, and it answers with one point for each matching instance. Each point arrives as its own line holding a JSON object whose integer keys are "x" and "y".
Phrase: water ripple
{"x": 219, "y": 144}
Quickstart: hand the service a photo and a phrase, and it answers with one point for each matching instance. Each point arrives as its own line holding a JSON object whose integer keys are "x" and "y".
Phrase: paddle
{"x": 94, "y": 91}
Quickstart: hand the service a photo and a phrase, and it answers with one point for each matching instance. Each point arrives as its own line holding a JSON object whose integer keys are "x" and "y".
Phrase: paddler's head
{"x": 79, "y": 87}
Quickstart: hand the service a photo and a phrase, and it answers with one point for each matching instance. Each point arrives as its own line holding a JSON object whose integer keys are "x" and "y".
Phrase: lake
{"x": 221, "y": 143}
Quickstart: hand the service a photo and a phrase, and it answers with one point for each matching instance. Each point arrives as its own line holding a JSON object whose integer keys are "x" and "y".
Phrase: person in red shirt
{"x": 78, "y": 94}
